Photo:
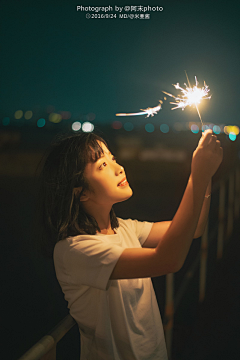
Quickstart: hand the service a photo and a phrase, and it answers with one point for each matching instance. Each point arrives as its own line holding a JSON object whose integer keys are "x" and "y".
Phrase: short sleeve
{"x": 140, "y": 228}
{"x": 87, "y": 262}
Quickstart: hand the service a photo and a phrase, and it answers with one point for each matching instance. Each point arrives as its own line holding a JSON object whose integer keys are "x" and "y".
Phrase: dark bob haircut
{"x": 61, "y": 212}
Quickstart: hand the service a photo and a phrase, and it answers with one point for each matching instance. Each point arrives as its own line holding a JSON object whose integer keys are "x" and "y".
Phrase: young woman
{"x": 103, "y": 263}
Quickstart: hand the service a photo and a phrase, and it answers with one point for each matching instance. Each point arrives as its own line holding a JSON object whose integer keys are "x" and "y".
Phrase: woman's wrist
{"x": 209, "y": 190}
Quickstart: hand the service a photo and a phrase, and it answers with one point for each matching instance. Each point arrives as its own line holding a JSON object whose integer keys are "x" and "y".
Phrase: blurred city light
{"x": 76, "y": 126}
{"x": 18, "y": 114}
{"x": 149, "y": 128}
{"x": 117, "y": 125}
{"x": 6, "y": 121}
{"x": 55, "y": 118}
{"x": 216, "y": 129}
{"x": 41, "y": 122}
{"x": 194, "y": 129}
{"x": 128, "y": 126}
{"x": 164, "y": 128}
{"x": 232, "y": 136}
{"x": 87, "y": 127}
{"x": 28, "y": 114}
{"x": 231, "y": 129}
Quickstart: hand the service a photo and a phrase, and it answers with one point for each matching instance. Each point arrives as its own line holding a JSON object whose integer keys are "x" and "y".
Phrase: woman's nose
{"x": 119, "y": 169}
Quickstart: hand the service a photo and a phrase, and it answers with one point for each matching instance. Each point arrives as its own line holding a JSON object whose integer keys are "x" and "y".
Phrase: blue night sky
{"x": 52, "y": 55}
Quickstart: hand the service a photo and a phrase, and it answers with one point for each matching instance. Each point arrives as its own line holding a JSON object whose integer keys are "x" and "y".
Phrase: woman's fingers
{"x": 206, "y": 136}
{"x": 209, "y": 139}
{"x": 212, "y": 141}
{"x": 209, "y": 153}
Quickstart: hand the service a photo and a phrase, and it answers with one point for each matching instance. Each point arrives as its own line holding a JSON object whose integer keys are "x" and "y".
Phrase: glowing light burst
{"x": 149, "y": 111}
{"x": 190, "y": 96}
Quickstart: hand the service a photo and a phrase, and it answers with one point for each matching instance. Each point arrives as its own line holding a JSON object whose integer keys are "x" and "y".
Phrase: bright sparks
{"x": 149, "y": 111}
{"x": 190, "y": 96}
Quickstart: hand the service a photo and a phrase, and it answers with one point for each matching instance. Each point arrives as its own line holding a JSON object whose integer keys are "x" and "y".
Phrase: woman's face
{"x": 107, "y": 180}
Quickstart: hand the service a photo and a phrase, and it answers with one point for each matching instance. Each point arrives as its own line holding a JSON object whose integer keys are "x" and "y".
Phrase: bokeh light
{"x": 76, "y": 126}
{"x": 41, "y": 122}
{"x": 164, "y": 128}
{"x": 6, "y": 121}
{"x": 87, "y": 127}
{"x": 128, "y": 126}
{"x": 149, "y": 127}
{"x": 194, "y": 129}
{"x": 231, "y": 129}
{"x": 18, "y": 114}
{"x": 216, "y": 129}
{"x": 116, "y": 125}
{"x": 232, "y": 136}
{"x": 28, "y": 114}
{"x": 55, "y": 118}
{"x": 235, "y": 130}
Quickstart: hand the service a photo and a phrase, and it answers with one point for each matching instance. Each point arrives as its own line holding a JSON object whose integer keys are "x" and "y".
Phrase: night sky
{"x": 51, "y": 54}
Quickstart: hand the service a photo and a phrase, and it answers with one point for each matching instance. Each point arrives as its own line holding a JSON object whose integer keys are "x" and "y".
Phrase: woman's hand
{"x": 207, "y": 157}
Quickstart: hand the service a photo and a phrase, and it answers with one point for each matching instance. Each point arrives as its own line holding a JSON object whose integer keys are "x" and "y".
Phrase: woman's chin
{"x": 126, "y": 196}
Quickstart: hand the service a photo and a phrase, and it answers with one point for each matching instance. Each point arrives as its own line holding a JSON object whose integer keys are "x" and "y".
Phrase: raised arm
{"x": 159, "y": 228}
{"x": 171, "y": 252}
{"x": 204, "y": 212}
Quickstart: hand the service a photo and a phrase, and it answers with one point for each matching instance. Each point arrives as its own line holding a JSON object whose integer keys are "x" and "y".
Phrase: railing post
{"x": 237, "y": 193}
{"x": 230, "y": 205}
{"x": 203, "y": 264}
{"x": 169, "y": 312}
{"x": 221, "y": 215}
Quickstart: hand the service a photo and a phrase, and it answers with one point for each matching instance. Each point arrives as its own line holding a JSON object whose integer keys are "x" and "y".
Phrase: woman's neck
{"x": 101, "y": 215}
{"x": 108, "y": 231}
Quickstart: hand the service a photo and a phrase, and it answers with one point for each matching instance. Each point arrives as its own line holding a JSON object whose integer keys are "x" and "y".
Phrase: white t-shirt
{"x": 117, "y": 319}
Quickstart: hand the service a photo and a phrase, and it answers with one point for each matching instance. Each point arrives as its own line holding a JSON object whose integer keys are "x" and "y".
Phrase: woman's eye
{"x": 102, "y": 165}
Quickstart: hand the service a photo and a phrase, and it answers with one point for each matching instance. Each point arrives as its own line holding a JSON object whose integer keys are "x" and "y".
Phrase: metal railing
{"x": 222, "y": 230}
{"x": 45, "y": 349}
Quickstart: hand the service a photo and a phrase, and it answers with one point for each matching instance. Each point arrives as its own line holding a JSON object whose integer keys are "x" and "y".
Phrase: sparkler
{"x": 191, "y": 96}
{"x": 149, "y": 111}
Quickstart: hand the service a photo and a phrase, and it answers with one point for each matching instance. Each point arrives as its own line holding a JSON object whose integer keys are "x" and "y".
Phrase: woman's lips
{"x": 123, "y": 182}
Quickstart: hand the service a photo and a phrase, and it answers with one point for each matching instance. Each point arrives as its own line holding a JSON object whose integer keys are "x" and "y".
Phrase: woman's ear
{"x": 84, "y": 196}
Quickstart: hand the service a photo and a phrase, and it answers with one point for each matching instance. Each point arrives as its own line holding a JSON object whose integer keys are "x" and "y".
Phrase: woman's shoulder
{"x": 72, "y": 243}
{"x": 127, "y": 224}
{"x": 140, "y": 228}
